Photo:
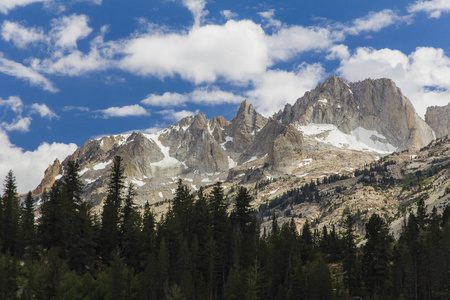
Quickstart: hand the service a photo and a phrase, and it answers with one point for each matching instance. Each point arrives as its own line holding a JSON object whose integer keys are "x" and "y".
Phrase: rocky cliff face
{"x": 333, "y": 129}
{"x": 438, "y": 117}
{"x": 374, "y": 111}
{"x": 50, "y": 176}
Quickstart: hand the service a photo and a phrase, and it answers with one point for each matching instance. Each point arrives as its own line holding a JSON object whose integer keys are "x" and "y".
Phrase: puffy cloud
{"x": 7, "y": 5}
{"x": 434, "y": 8}
{"x": 124, "y": 111}
{"x": 268, "y": 17}
{"x": 228, "y": 14}
{"x": 201, "y": 95}
{"x": 66, "y": 31}
{"x": 197, "y": 8}
{"x": 375, "y": 21}
{"x": 14, "y": 103}
{"x": 275, "y": 88}
{"x": 20, "y": 71}
{"x": 166, "y": 99}
{"x": 20, "y": 35}
{"x": 290, "y": 41}
{"x": 235, "y": 51}
{"x": 172, "y": 115}
{"x": 43, "y": 111}
{"x": 21, "y": 124}
{"x": 72, "y": 64}
{"x": 214, "y": 96}
{"x": 338, "y": 52}
{"x": 75, "y": 62}
{"x": 422, "y": 75}
{"x": 29, "y": 166}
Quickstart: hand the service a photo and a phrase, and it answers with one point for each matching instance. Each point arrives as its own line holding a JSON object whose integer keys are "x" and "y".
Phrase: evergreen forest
{"x": 204, "y": 249}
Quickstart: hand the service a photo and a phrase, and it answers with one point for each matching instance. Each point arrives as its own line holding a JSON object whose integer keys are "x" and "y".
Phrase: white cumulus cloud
{"x": 289, "y": 41}
{"x": 124, "y": 111}
{"x": 20, "y": 71}
{"x": 20, "y": 124}
{"x": 197, "y": 8}
{"x": 211, "y": 95}
{"x": 67, "y": 30}
{"x": 20, "y": 35}
{"x": 29, "y": 166}
{"x": 228, "y": 14}
{"x": 166, "y": 99}
{"x": 43, "y": 110}
{"x": 422, "y": 75}
{"x": 13, "y": 102}
{"x": 7, "y": 5}
{"x": 234, "y": 51}
{"x": 375, "y": 21}
{"x": 276, "y": 88}
{"x": 434, "y": 8}
{"x": 173, "y": 115}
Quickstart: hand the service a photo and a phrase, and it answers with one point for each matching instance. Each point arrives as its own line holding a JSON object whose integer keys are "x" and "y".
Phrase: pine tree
{"x": 220, "y": 231}
{"x": 117, "y": 276}
{"x": 377, "y": 252}
{"x": 130, "y": 233}
{"x": 81, "y": 251}
{"x": 109, "y": 234}
{"x": 11, "y": 214}
{"x": 82, "y": 246}
{"x": 244, "y": 233}
{"x": 28, "y": 228}
{"x": 163, "y": 269}
{"x": 148, "y": 229}
{"x": 57, "y": 222}
{"x": 351, "y": 278}
{"x": 73, "y": 186}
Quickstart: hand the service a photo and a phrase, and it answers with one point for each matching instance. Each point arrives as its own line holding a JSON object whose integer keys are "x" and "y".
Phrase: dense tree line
{"x": 202, "y": 249}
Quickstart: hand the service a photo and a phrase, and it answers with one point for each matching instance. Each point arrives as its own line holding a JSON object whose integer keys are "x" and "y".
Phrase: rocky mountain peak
{"x": 373, "y": 111}
{"x": 246, "y": 108}
{"x": 244, "y": 126}
{"x": 49, "y": 177}
{"x": 333, "y": 82}
{"x": 336, "y": 127}
{"x": 438, "y": 117}
{"x": 199, "y": 121}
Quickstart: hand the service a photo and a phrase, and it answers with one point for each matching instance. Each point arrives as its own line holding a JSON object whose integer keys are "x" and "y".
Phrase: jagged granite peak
{"x": 250, "y": 147}
{"x": 49, "y": 177}
{"x": 199, "y": 150}
{"x": 244, "y": 126}
{"x": 369, "y": 105}
{"x": 438, "y": 117}
{"x": 216, "y": 127}
{"x": 279, "y": 143}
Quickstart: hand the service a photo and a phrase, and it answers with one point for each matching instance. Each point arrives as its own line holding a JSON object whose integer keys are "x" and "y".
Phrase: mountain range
{"x": 335, "y": 129}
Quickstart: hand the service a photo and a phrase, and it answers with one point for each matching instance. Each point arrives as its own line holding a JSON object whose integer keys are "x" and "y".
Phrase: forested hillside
{"x": 202, "y": 249}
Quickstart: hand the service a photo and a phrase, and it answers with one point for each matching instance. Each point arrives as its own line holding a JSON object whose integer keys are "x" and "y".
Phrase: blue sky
{"x": 78, "y": 69}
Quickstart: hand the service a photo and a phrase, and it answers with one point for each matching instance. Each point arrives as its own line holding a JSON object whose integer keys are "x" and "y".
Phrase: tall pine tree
{"x": 28, "y": 228}
{"x": 11, "y": 214}
{"x": 109, "y": 234}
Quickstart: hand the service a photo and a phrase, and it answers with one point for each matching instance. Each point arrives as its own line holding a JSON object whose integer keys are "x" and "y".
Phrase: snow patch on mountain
{"x": 102, "y": 165}
{"x": 168, "y": 161}
{"x": 359, "y": 139}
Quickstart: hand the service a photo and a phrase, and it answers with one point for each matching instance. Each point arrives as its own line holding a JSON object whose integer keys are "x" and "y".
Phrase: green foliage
{"x": 201, "y": 249}
{"x": 109, "y": 235}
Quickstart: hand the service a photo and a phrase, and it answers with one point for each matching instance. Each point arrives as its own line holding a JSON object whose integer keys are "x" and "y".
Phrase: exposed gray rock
{"x": 438, "y": 117}
{"x": 244, "y": 126}
{"x": 375, "y": 105}
{"x": 250, "y": 147}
